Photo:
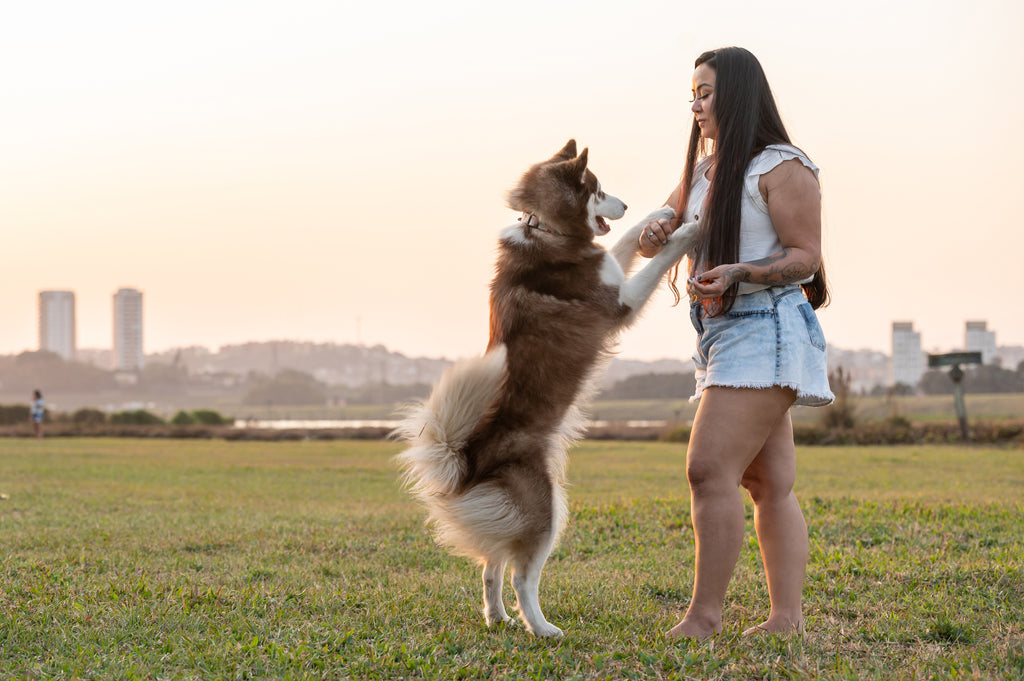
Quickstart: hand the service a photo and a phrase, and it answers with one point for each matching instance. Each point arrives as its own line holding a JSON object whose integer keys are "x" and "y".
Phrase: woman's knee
{"x": 706, "y": 476}
{"x": 767, "y": 485}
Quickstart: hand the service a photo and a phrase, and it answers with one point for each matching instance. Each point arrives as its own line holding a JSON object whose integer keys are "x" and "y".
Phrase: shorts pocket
{"x": 814, "y": 332}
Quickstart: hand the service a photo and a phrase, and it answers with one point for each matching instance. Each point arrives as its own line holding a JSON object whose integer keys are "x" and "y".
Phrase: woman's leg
{"x": 729, "y": 430}
{"x": 781, "y": 530}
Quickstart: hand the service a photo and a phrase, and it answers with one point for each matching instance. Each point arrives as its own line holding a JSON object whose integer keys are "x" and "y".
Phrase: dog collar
{"x": 533, "y": 222}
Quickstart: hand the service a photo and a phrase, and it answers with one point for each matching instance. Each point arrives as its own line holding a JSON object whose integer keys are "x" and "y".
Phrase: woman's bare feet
{"x": 692, "y": 628}
{"x": 777, "y": 627}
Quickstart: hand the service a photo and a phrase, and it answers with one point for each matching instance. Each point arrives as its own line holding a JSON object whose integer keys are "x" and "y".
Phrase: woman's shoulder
{"x": 775, "y": 154}
{"x": 702, "y": 166}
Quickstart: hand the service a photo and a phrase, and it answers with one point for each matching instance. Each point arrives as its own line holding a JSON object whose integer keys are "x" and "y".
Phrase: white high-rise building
{"x": 977, "y": 338}
{"x": 57, "y": 322}
{"x": 128, "y": 330}
{"x": 908, "y": 363}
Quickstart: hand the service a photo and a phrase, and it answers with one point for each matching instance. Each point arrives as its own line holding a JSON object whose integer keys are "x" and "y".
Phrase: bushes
{"x": 893, "y": 431}
{"x": 204, "y": 417}
{"x": 89, "y": 416}
{"x": 183, "y": 418}
{"x": 208, "y": 417}
{"x": 139, "y": 417}
{"x": 839, "y": 414}
{"x": 14, "y": 414}
{"x": 899, "y": 431}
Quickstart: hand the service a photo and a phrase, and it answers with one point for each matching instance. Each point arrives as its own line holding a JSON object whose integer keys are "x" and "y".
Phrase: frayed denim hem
{"x": 802, "y": 399}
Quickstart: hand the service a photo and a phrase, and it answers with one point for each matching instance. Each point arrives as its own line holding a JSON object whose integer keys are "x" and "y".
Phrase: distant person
{"x": 38, "y": 412}
{"x": 754, "y": 282}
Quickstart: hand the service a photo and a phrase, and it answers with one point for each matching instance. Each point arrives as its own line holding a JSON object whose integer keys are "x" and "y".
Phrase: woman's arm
{"x": 794, "y": 206}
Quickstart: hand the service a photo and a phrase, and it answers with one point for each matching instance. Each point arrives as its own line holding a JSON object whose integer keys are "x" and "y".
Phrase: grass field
{"x": 170, "y": 559}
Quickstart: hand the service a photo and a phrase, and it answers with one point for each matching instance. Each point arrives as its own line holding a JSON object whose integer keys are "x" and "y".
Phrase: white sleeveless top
{"x": 757, "y": 233}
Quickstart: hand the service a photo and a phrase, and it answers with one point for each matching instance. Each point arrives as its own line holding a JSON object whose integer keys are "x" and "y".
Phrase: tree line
{"x": 290, "y": 387}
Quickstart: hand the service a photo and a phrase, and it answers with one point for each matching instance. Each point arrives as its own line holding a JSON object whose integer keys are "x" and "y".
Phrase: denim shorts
{"x": 769, "y": 338}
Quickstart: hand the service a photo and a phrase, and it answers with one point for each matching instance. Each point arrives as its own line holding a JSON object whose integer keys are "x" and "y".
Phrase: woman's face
{"x": 703, "y": 97}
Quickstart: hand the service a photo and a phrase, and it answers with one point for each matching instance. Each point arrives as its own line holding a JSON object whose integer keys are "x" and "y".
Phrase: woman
{"x": 755, "y": 279}
{"x": 38, "y": 412}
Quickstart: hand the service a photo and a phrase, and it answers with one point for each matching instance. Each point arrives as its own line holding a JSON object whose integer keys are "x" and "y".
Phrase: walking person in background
{"x": 754, "y": 282}
{"x": 38, "y": 412}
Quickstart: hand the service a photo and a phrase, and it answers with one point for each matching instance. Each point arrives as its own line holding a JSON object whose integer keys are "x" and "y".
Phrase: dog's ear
{"x": 568, "y": 152}
{"x": 578, "y": 166}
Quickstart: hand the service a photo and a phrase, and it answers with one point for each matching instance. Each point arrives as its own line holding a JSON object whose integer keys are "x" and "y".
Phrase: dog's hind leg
{"x": 526, "y": 571}
{"x": 494, "y": 577}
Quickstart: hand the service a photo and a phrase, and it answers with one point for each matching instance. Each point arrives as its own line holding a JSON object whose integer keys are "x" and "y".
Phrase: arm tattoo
{"x": 777, "y": 273}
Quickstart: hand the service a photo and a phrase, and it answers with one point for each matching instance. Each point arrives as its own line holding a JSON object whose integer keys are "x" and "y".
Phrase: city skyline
{"x": 58, "y": 322}
{"x": 335, "y": 174}
{"x": 128, "y": 302}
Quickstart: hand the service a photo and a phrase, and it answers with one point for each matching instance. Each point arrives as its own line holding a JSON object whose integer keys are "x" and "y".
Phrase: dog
{"x": 487, "y": 450}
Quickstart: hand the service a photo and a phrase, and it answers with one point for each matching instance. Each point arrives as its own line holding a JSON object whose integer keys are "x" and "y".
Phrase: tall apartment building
{"x": 128, "y": 330}
{"x": 908, "y": 364}
{"x": 977, "y": 338}
{"x": 57, "y": 322}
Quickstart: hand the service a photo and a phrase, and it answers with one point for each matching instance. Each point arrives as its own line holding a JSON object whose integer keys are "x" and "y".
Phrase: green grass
{"x": 208, "y": 559}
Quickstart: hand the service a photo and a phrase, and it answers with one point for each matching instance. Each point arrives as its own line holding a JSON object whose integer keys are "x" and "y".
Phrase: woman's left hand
{"x": 714, "y": 282}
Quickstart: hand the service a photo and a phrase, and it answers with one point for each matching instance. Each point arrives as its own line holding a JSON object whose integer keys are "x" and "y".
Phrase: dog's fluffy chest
{"x": 537, "y": 296}
{"x": 593, "y": 276}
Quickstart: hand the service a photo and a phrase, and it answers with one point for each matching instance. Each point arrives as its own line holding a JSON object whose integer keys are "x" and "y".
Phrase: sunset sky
{"x": 336, "y": 171}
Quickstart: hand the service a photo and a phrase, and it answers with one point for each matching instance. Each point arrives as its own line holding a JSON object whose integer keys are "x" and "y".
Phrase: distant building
{"x": 908, "y": 365}
{"x": 57, "y": 322}
{"x": 977, "y": 338}
{"x": 867, "y": 369}
{"x": 128, "y": 330}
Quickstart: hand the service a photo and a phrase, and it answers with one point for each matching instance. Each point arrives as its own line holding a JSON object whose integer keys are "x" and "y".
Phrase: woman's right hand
{"x": 655, "y": 235}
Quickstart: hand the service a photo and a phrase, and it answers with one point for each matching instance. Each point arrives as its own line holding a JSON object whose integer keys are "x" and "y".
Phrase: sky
{"x": 336, "y": 171}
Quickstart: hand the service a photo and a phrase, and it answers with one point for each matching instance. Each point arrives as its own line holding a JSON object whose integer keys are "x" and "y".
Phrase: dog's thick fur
{"x": 487, "y": 449}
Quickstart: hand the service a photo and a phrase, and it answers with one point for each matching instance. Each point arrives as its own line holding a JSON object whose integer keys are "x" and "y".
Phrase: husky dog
{"x": 487, "y": 449}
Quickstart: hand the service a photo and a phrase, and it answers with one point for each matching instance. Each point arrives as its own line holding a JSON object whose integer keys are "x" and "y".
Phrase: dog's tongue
{"x": 602, "y": 226}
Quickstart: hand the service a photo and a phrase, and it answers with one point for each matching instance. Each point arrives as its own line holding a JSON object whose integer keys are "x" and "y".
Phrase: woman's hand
{"x": 715, "y": 282}
{"x": 654, "y": 235}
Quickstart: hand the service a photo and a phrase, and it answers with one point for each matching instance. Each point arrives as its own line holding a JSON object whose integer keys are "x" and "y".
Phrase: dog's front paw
{"x": 547, "y": 630}
{"x": 663, "y": 213}
{"x": 683, "y": 238}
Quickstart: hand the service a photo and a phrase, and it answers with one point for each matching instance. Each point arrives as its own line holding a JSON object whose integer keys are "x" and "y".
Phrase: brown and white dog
{"x": 487, "y": 449}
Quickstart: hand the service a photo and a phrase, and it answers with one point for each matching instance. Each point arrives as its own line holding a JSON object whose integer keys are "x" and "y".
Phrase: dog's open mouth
{"x": 602, "y": 226}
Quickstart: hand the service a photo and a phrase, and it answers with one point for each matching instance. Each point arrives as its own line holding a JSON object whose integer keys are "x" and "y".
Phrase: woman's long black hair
{"x": 748, "y": 120}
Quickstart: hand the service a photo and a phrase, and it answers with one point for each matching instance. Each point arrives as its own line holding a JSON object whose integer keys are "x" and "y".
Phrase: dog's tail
{"x": 437, "y": 430}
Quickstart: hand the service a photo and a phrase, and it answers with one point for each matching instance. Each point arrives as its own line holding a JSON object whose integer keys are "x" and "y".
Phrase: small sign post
{"x": 956, "y": 374}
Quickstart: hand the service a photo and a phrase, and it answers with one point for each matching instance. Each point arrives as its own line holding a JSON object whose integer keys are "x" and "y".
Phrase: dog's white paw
{"x": 501, "y": 620}
{"x": 546, "y": 630}
{"x": 683, "y": 239}
{"x": 684, "y": 232}
{"x": 663, "y": 213}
